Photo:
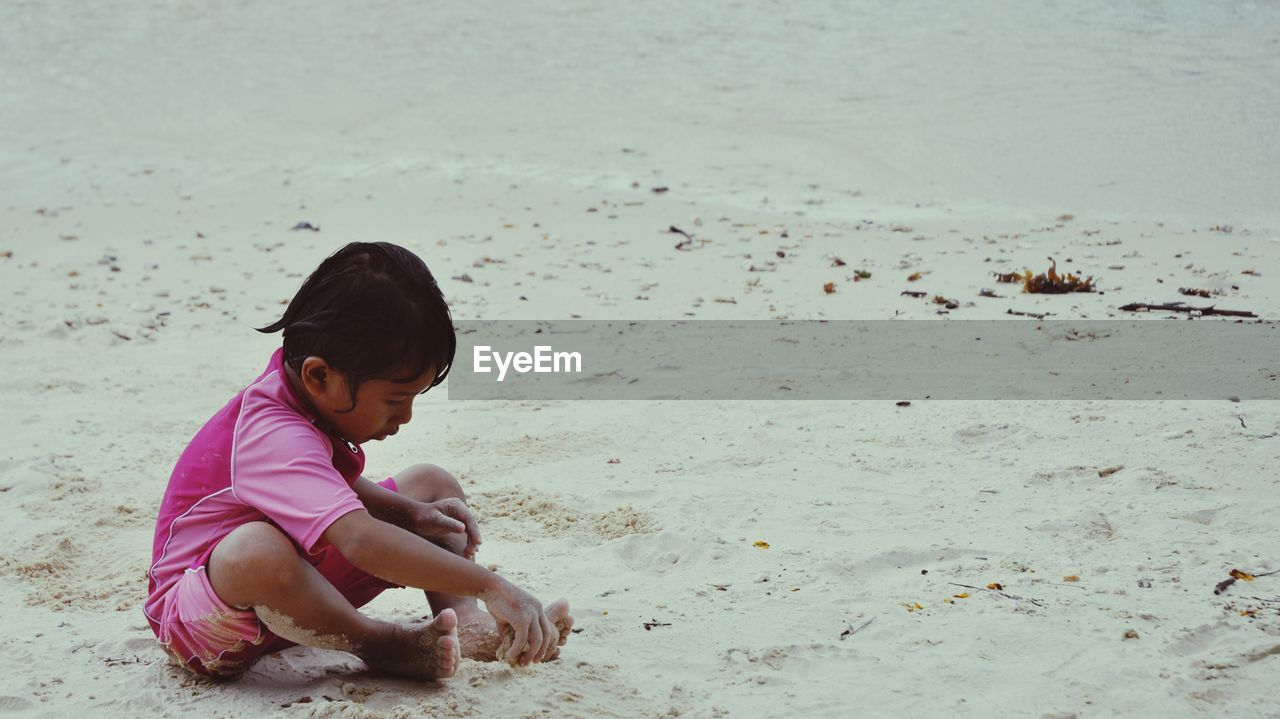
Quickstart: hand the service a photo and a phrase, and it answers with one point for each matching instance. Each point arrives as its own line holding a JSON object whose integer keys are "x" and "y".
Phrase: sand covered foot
{"x": 478, "y": 634}
{"x": 482, "y": 642}
{"x": 429, "y": 651}
{"x": 558, "y": 613}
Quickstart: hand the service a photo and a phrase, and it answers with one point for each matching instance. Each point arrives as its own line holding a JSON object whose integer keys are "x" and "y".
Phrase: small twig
{"x": 688, "y": 238}
{"x": 1225, "y": 584}
{"x": 1036, "y": 602}
{"x": 1180, "y": 307}
{"x": 649, "y": 625}
{"x": 850, "y": 630}
{"x": 122, "y": 660}
{"x": 1038, "y": 316}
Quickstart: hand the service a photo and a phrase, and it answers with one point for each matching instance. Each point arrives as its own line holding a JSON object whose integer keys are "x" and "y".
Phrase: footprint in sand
{"x": 985, "y": 437}
{"x": 15, "y": 704}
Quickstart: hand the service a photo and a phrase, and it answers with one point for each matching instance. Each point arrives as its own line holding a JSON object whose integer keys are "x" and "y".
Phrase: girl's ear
{"x": 317, "y": 375}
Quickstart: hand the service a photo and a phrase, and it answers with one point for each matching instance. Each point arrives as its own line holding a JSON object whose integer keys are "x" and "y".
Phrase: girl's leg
{"x": 429, "y": 483}
{"x": 256, "y": 566}
{"x": 477, "y": 629}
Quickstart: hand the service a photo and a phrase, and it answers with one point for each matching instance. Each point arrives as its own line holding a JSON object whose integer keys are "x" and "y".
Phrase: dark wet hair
{"x": 370, "y": 309}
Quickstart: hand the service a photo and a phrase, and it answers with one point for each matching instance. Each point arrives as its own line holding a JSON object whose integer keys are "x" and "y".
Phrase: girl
{"x": 268, "y": 536}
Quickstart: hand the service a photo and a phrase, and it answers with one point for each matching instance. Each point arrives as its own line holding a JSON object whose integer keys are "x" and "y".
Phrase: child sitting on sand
{"x": 268, "y": 536}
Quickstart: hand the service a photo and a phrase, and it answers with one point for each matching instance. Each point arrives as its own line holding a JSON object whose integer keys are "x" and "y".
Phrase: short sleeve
{"x": 283, "y": 466}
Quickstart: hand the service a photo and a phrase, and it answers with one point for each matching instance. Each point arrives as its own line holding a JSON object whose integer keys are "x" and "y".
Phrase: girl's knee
{"x": 256, "y": 547}
{"x": 428, "y": 483}
{"x": 252, "y": 563}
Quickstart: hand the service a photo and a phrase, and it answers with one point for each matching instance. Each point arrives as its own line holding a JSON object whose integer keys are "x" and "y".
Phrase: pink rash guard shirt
{"x": 261, "y": 458}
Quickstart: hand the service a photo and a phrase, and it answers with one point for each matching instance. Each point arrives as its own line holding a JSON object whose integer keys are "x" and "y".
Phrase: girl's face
{"x": 382, "y": 406}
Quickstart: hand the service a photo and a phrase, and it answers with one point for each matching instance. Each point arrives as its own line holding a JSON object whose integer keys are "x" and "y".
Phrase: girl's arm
{"x": 397, "y": 555}
{"x": 434, "y": 519}
{"x": 386, "y": 505}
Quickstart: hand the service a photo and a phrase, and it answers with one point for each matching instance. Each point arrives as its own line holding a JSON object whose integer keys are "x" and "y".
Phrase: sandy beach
{"x": 960, "y": 558}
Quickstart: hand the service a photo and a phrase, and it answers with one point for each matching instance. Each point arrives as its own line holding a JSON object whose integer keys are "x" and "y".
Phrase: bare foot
{"x": 478, "y": 633}
{"x": 558, "y": 613}
{"x": 429, "y": 651}
{"x": 481, "y": 640}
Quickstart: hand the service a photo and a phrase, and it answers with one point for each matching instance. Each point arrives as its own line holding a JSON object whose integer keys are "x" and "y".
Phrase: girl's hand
{"x": 445, "y": 517}
{"x": 528, "y": 635}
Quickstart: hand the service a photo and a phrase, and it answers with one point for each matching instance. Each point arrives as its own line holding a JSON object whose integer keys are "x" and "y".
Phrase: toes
{"x": 558, "y": 610}
{"x": 558, "y": 613}
{"x": 447, "y": 646}
{"x": 447, "y": 655}
{"x": 446, "y": 622}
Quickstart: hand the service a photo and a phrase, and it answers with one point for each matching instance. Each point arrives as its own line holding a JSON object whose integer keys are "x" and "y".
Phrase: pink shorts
{"x": 212, "y": 638}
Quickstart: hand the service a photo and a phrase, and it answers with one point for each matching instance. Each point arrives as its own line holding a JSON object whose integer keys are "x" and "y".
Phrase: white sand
{"x": 184, "y": 141}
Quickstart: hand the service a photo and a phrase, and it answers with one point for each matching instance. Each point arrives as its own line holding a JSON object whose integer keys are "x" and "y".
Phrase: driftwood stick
{"x": 1180, "y": 307}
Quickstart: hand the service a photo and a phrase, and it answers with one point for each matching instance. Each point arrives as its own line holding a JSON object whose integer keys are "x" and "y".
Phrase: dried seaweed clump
{"x": 1052, "y": 283}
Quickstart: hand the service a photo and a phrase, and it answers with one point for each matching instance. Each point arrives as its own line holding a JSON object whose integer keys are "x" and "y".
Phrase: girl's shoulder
{"x": 269, "y": 409}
